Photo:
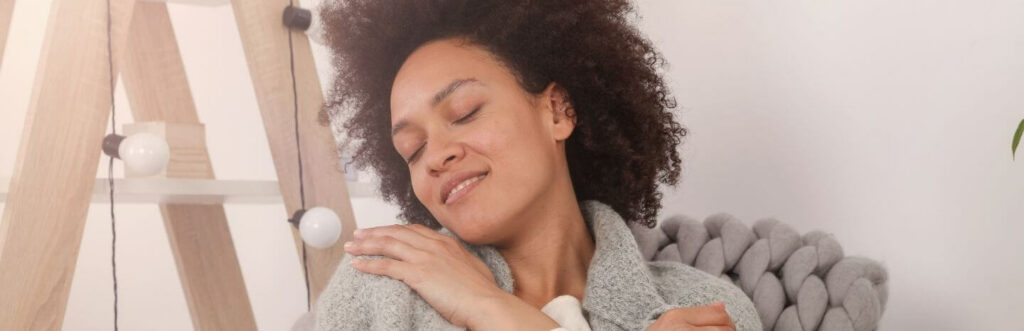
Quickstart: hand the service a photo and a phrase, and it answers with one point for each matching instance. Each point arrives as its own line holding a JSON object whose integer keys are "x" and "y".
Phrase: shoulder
{"x": 355, "y": 300}
{"x": 687, "y": 286}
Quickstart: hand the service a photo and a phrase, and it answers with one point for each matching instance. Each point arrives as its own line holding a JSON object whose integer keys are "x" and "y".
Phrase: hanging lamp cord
{"x": 110, "y": 166}
{"x": 298, "y": 149}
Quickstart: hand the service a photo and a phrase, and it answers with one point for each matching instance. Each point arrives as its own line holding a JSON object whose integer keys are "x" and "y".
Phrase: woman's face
{"x": 482, "y": 151}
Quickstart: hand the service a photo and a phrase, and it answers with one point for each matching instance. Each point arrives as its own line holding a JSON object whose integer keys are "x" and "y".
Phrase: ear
{"x": 556, "y": 101}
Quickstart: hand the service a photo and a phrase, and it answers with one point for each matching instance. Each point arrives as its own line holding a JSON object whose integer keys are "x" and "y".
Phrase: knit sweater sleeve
{"x": 354, "y": 300}
{"x": 685, "y": 286}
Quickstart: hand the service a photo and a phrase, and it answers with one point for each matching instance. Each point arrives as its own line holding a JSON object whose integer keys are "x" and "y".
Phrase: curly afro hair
{"x": 625, "y": 138}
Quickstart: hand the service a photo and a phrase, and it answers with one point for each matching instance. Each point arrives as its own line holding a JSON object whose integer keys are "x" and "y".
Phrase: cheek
{"x": 521, "y": 144}
{"x": 516, "y": 149}
{"x": 502, "y": 143}
{"x": 516, "y": 133}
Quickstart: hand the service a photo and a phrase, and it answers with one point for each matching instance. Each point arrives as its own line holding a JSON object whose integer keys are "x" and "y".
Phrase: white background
{"x": 887, "y": 123}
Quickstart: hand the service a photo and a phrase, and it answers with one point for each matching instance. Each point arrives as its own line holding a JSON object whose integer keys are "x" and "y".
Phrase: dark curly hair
{"x": 625, "y": 138}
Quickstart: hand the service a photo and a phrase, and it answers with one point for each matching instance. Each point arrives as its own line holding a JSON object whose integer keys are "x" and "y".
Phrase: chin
{"x": 476, "y": 233}
{"x": 479, "y": 219}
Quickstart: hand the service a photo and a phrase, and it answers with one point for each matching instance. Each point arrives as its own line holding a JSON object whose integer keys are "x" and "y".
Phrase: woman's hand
{"x": 451, "y": 279}
{"x": 710, "y": 317}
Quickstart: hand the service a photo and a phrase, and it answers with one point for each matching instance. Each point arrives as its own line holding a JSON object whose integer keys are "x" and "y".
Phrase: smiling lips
{"x": 460, "y": 186}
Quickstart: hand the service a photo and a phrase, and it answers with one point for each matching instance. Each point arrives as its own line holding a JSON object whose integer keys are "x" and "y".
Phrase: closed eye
{"x": 458, "y": 121}
{"x": 468, "y": 116}
{"x": 414, "y": 155}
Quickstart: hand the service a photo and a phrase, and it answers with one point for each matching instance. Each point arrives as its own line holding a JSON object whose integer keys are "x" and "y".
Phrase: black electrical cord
{"x": 110, "y": 166}
{"x": 298, "y": 148}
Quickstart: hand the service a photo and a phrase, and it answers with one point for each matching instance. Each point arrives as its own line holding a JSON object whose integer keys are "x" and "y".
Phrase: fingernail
{"x": 348, "y": 244}
{"x": 358, "y": 233}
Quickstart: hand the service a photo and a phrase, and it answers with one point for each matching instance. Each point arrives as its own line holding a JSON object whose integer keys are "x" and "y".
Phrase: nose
{"x": 447, "y": 153}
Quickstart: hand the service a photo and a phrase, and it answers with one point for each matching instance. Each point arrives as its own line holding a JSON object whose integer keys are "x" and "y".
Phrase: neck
{"x": 551, "y": 256}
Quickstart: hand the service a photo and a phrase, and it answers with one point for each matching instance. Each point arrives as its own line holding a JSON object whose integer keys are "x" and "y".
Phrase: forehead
{"x": 436, "y": 64}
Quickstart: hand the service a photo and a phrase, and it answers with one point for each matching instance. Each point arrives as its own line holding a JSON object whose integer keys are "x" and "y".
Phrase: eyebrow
{"x": 438, "y": 97}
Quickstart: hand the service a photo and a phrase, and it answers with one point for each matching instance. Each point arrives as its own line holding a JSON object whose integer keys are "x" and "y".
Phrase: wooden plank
{"x": 55, "y": 168}
{"x": 155, "y": 190}
{"x": 6, "y": 10}
{"x": 154, "y": 77}
{"x": 265, "y": 41}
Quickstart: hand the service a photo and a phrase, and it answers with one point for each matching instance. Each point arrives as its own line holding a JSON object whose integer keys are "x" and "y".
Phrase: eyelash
{"x": 458, "y": 121}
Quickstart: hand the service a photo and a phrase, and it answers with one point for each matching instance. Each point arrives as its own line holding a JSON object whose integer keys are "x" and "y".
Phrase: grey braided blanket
{"x": 797, "y": 283}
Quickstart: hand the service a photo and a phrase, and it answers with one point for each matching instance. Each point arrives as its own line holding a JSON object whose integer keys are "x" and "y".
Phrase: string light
{"x": 147, "y": 154}
{"x": 303, "y": 19}
{"x": 143, "y": 154}
{"x": 319, "y": 227}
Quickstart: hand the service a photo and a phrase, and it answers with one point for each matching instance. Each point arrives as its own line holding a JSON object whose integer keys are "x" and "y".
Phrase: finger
{"x": 386, "y": 246}
{"x": 384, "y": 267}
{"x": 715, "y": 328}
{"x": 721, "y": 305}
{"x": 443, "y": 241}
{"x": 710, "y": 315}
{"x": 400, "y": 232}
{"x": 426, "y": 231}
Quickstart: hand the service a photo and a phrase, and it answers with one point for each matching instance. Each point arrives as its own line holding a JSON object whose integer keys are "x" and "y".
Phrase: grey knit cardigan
{"x": 623, "y": 291}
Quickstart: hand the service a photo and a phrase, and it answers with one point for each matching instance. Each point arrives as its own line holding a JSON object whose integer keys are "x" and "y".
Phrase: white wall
{"x": 887, "y": 123}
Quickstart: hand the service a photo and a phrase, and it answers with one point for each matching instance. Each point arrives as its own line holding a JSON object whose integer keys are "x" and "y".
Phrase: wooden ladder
{"x": 58, "y": 155}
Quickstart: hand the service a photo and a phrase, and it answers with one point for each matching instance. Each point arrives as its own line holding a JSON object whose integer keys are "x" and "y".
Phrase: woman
{"x": 532, "y": 132}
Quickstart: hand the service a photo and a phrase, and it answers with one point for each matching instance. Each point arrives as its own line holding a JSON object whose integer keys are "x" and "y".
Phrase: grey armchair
{"x": 796, "y": 282}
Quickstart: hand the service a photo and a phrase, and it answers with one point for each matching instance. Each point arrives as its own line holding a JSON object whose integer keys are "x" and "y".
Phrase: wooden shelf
{"x": 194, "y": 191}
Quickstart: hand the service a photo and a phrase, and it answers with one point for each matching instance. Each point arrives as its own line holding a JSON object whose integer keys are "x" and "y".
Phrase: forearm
{"x": 508, "y": 312}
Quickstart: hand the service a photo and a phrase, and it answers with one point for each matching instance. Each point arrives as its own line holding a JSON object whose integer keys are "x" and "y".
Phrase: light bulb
{"x": 304, "y": 19}
{"x": 319, "y": 227}
{"x": 143, "y": 153}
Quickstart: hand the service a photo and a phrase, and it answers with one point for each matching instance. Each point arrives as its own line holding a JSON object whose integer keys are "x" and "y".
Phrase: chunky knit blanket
{"x": 796, "y": 282}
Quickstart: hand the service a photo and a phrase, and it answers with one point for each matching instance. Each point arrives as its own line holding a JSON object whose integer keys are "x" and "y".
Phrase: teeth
{"x": 463, "y": 185}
